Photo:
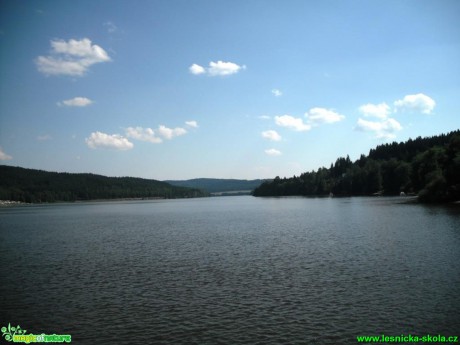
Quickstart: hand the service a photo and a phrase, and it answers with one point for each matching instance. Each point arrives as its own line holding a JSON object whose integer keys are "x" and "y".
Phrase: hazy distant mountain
{"x": 215, "y": 185}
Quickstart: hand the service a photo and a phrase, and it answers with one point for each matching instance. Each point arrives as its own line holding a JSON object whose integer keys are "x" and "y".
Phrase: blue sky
{"x": 225, "y": 89}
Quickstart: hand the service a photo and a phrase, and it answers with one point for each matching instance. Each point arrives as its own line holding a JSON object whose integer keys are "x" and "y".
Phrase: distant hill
{"x": 214, "y": 185}
{"x": 30, "y": 185}
{"x": 428, "y": 167}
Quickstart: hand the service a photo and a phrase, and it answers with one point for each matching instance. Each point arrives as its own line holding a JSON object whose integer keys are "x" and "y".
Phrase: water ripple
{"x": 231, "y": 270}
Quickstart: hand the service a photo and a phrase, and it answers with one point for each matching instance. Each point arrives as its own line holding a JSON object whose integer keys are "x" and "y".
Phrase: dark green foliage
{"x": 29, "y": 185}
{"x": 214, "y": 185}
{"x": 395, "y": 176}
{"x": 429, "y": 167}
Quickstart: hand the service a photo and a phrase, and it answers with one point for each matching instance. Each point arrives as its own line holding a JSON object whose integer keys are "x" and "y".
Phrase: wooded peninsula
{"x": 33, "y": 186}
{"x": 428, "y": 167}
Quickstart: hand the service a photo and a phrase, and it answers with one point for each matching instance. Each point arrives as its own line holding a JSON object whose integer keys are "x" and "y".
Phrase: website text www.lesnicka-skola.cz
{"x": 408, "y": 338}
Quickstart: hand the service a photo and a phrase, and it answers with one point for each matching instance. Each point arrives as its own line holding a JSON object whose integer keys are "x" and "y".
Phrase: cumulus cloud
{"x": 4, "y": 156}
{"x": 271, "y": 135}
{"x": 380, "y": 111}
{"x": 193, "y": 124}
{"x": 154, "y": 136}
{"x": 196, "y": 69}
{"x": 384, "y": 129}
{"x": 108, "y": 141}
{"x": 316, "y": 116}
{"x": 169, "y": 133}
{"x": 291, "y": 122}
{"x": 73, "y": 57}
{"x": 417, "y": 103}
{"x": 223, "y": 68}
{"x": 76, "y": 102}
{"x": 277, "y": 93}
{"x": 219, "y": 68}
{"x": 143, "y": 134}
{"x": 273, "y": 152}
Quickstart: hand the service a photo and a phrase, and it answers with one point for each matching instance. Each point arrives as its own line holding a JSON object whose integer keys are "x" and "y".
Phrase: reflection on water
{"x": 231, "y": 270}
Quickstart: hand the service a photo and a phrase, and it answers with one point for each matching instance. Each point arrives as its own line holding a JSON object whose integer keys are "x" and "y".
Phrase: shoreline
{"x": 9, "y": 203}
{"x": 404, "y": 199}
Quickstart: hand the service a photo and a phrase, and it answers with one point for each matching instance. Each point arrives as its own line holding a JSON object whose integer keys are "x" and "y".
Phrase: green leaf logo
{"x": 9, "y": 332}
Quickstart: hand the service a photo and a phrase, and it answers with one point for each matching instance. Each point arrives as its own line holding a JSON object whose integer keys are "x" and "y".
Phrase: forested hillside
{"x": 29, "y": 185}
{"x": 215, "y": 185}
{"x": 428, "y": 167}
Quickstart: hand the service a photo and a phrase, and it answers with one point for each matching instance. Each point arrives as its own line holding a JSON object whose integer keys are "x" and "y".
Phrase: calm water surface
{"x": 231, "y": 270}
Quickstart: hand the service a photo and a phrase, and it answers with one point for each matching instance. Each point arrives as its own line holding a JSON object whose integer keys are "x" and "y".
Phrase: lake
{"x": 231, "y": 270}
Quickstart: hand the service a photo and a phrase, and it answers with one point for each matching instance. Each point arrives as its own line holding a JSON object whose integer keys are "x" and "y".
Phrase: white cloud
{"x": 76, "y": 102}
{"x": 380, "y": 111}
{"x": 73, "y": 57}
{"x": 193, "y": 124}
{"x": 316, "y": 116}
{"x": 114, "y": 141}
{"x": 264, "y": 117}
{"x": 143, "y": 134}
{"x": 271, "y": 135}
{"x": 277, "y": 93}
{"x": 223, "y": 68}
{"x": 417, "y": 103}
{"x": 384, "y": 129}
{"x": 51, "y": 66}
{"x": 196, "y": 69}
{"x": 219, "y": 68}
{"x": 290, "y": 122}
{"x": 4, "y": 156}
{"x": 169, "y": 133}
{"x": 273, "y": 152}
{"x": 155, "y": 136}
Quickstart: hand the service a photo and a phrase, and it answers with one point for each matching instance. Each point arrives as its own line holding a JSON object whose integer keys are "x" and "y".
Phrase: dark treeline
{"x": 29, "y": 185}
{"x": 214, "y": 185}
{"x": 428, "y": 167}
